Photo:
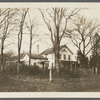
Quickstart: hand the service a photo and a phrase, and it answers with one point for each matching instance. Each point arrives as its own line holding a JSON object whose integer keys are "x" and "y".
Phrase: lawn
{"x": 26, "y": 83}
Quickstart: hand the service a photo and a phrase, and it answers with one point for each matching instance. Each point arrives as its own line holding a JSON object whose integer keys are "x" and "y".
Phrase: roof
{"x": 50, "y": 50}
{"x": 96, "y": 35}
{"x": 36, "y": 56}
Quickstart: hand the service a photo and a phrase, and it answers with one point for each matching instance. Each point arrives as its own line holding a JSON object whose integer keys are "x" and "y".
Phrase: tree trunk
{"x": 57, "y": 48}
{"x": 2, "y": 57}
{"x": 84, "y": 47}
{"x": 57, "y": 64}
{"x": 20, "y": 36}
{"x": 30, "y": 48}
{"x": 18, "y": 60}
{"x": 19, "y": 48}
{"x": 19, "y": 55}
{"x": 30, "y": 55}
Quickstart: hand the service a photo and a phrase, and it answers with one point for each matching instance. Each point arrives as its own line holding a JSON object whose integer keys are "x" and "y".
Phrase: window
{"x": 52, "y": 56}
{"x": 68, "y": 57}
{"x": 64, "y": 57}
{"x": 59, "y": 56}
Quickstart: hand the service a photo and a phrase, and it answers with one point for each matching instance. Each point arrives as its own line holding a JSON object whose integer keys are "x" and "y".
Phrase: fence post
{"x": 50, "y": 74}
{"x": 18, "y": 65}
{"x": 95, "y": 70}
{"x": 75, "y": 66}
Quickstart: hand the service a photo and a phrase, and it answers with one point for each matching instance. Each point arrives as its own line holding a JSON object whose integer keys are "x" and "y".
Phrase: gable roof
{"x": 96, "y": 37}
{"x": 36, "y": 56}
{"x": 50, "y": 50}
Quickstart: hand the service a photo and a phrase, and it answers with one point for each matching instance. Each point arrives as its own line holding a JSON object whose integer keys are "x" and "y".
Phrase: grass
{"x": 75, "y": 82}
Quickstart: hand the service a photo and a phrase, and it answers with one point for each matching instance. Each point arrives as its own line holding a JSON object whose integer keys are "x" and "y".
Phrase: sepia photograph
{"x": 49, "y": 47}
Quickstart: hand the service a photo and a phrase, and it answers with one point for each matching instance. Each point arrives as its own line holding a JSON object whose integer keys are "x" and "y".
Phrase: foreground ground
{"x": 22, "y": 83}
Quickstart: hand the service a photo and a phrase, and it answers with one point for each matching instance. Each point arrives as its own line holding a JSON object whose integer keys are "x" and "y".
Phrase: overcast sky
{"x": 93, "y": 11}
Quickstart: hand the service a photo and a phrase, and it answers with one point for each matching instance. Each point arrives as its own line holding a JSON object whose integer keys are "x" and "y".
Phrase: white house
{"x": 35, "y": 59}
{"x": 65, "y": 54}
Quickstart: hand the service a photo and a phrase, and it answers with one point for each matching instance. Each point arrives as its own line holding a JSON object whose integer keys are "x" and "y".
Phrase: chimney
{"x": 37, "y": 49}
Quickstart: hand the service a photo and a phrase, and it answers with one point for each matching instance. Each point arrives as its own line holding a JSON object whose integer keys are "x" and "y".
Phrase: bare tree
{"x": 22, "y": 14}
{"x": 56, "y": 20}
{"x": 6, "y": 28}
{"x": 81, "y": 33}
{"x": 10, "y": 55}
{"x": 32, "y": 26}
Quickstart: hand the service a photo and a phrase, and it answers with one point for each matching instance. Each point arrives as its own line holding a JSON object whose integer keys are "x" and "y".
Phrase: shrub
{"x": 11, "y": 68}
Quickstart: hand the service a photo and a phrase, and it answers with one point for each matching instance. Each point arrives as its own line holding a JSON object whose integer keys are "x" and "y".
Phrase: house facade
{"x": 65, "y": 54}
{"x": 37, "y": 59}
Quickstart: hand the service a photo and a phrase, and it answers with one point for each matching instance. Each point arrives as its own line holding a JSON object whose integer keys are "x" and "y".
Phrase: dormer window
{"x": 64, "y": 57}
{"x": 64, "y": 50}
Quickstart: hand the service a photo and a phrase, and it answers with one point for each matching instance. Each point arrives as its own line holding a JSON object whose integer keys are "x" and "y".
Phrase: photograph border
{"x": 71, "y": 95}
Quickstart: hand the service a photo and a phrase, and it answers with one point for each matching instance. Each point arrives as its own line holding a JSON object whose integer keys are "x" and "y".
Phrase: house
{"x": 35, "y": 59}
{"x": 66, "y": 55}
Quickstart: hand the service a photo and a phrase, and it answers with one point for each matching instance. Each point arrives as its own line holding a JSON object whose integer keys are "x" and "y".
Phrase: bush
{"x": 11, "y": 68}
{"x": 27, "y": 70}
{"x": 37, "y": 72}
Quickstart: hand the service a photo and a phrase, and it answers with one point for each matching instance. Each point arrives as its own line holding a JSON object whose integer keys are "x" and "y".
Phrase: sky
{"x": 92, "y": 10}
